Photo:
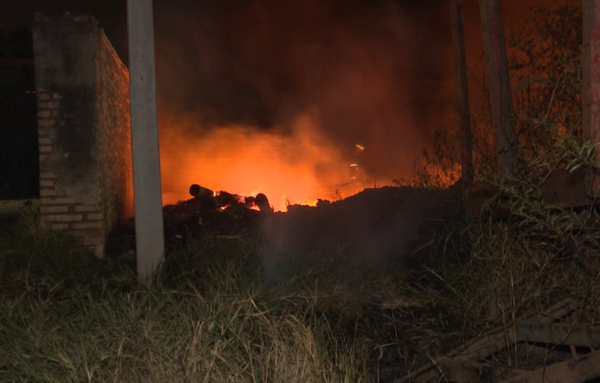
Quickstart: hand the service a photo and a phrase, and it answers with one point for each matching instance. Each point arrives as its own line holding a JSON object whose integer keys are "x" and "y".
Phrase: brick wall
{"x": 114, "y": 133}
{"x": 83, "y": 129}
{"x": 60, "y": 210}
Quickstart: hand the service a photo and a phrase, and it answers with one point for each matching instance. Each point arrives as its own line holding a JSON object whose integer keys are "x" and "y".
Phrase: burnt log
{"x": 250, "y": 201}
{"x": 262, "y": 202}
{"x": 225, "y": 199}
{"x": 198, "y": 191}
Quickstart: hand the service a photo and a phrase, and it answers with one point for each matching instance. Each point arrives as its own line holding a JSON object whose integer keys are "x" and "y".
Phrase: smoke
{"x": 373, "y": 73}
{"x": 288, "y": 167}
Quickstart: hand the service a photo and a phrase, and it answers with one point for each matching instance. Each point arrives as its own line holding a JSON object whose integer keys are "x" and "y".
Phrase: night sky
{"x": 375, "y": 72}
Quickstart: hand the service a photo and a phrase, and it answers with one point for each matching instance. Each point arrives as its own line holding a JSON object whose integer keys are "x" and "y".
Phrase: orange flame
{"x": 299, "y": 167}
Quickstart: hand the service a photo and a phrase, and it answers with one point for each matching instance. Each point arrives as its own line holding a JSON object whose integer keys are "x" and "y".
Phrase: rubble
{"x": 213, "y": 212}
{"x": 207, "y": 213}
{"x": 373, "y": 222}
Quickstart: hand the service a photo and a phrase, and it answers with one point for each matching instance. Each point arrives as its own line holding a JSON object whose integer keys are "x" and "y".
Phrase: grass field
{"x": 213, "y": 315}
{"x": 68, "y": 317}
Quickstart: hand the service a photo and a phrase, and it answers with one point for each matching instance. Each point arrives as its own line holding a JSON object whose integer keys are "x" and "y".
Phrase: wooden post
{"x": 499, "y": 84}
{"x": 149, "y": 234}
{"x": 591, "y": 83}
{"x": 462, "y": 93}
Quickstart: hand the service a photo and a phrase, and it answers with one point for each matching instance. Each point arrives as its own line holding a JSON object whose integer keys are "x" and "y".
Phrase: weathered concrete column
{"x": 83, "y": 128}
{"x": 591, "y": 84}
{"x": 149, "y": 235}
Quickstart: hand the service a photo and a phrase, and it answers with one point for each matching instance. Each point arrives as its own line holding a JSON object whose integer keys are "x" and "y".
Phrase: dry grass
{"x": 212, "y": 316}
{"x": 61, "y": 324}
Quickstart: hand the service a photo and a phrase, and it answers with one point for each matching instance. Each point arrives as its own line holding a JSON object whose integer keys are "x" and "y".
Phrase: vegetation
{"x": 545, "y": 69}
{"x": 497, "y": 270}
{"x": 66, "y": 316}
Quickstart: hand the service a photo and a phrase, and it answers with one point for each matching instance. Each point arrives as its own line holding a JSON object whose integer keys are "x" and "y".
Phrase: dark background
{"x": 375, "y": 72}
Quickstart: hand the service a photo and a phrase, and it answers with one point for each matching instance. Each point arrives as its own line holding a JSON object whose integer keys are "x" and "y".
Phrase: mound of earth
{"x": 371, "y": 225}
{"x": 374, "y": 226}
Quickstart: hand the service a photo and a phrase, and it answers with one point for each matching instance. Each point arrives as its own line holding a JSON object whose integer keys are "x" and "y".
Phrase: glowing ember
{"x": 286, "y": 202}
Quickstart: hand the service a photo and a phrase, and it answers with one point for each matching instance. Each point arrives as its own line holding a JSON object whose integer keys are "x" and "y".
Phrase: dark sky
{"x": 375, "y": 72}
{"x": 112, "y": 15}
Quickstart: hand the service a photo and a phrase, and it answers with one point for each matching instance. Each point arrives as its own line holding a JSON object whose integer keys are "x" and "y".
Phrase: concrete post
{"x": 591, "y": 83}
{"x": 144, "y": 138}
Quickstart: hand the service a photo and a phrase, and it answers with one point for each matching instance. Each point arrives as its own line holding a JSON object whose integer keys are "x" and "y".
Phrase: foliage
{"x": 66, "y": 316}
{"x": 545, "y": 71}
{"x": 545, "y": 68}
{"x": 526, "y": 262}
{"x": 495, "y": 271}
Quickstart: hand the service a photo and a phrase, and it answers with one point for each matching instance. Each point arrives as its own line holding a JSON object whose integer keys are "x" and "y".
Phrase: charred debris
{"x": 370, "y": 219}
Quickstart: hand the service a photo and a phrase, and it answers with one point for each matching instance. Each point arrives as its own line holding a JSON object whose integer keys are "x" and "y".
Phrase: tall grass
{"x": 68, "y": 317}
{"x": 542, "y": 250}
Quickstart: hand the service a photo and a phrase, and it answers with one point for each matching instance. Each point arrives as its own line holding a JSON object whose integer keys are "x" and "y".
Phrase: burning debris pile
{"x": 215, "y": 212}
{"x": 373, "y": 226}
{"x": 207, "y": 213}
{"x": 369, "y": 222}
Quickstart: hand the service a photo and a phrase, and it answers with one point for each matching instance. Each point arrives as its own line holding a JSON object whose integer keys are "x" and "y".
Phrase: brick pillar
{"x": 84, "y": 172}
{"x": 60, "y": 206}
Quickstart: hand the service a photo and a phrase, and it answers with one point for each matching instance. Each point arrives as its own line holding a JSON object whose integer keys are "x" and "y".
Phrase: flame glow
{"x": 295, "y": 168}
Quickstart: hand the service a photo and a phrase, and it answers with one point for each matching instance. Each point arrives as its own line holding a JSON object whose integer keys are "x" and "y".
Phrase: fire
{"x": 307, "y": 202}
{"x": 298, "y": 167}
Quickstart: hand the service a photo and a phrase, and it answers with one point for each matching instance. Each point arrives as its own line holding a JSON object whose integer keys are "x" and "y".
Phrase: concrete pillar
{"x": 146, "y": 160}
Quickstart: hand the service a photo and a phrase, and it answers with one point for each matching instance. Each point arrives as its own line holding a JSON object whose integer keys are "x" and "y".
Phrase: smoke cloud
{"x": 373, "y": 73}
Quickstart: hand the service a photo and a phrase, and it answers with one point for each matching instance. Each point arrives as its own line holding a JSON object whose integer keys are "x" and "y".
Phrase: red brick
{"x": 85, "y": 208}
{"x": 54, "y": 209}
{"x": 56, "y": 201}
{"x": 68, "y": 217}
{"x": 88, "y": 225}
